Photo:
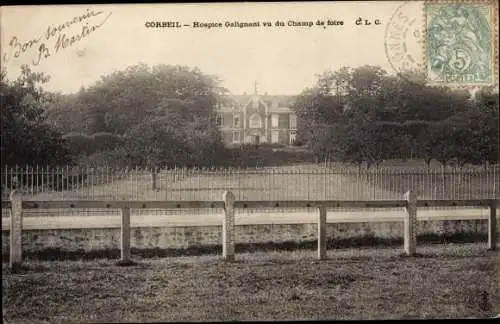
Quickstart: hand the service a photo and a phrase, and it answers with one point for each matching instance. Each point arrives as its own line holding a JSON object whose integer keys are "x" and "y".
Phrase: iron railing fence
{"x": 304, "y": 182}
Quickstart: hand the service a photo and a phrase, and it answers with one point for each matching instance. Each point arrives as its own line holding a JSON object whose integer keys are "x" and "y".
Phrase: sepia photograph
{"x": 250, "y": 161}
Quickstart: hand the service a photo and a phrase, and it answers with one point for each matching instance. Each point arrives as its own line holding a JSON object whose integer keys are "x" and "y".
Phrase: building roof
{"x": 274, "y": 102}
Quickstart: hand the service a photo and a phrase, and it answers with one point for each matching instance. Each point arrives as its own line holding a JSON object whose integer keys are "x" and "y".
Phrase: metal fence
{"x": 311, "y": 182}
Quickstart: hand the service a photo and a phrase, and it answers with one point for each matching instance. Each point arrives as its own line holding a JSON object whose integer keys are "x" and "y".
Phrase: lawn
{"x": 304, "y": 182}
{"x": 449, "y": 184}
{"x": 444, "y": 281}
{"x": 286, "y": 183}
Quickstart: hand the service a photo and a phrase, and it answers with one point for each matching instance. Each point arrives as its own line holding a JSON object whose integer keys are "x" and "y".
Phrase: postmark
{"x": 404, "y": 40}
{"x": 460, "y": 43}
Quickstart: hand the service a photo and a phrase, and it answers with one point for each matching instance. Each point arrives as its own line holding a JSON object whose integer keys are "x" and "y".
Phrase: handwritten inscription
{"x": 53, "y": 30}
{"x": 56, "y": 38}
{"x": 17, "y": 47}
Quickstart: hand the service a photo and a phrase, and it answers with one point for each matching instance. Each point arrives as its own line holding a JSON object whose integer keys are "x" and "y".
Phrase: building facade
{"x": 256, "y": 119}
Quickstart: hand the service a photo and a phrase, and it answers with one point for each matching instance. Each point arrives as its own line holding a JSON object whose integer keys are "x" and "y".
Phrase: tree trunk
{"x": 443, "y": 181}
{"x": 153, "y": 178}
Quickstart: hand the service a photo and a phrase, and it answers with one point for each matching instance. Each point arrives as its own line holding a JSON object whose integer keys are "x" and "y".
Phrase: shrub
{"x": 106, "y": 141}
{"x": 114, "y": 159}
{"x": 79, "y": 143}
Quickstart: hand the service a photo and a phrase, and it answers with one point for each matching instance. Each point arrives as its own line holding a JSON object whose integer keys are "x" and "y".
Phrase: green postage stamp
{"x": 460, "y": 39}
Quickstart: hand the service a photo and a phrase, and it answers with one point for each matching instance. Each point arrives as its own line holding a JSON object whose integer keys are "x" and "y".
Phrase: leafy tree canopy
{"x": 365, "y": 115}
{"x": 27, "y": 137}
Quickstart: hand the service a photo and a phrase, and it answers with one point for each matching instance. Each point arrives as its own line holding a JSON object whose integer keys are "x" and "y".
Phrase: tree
{"x": 27, "y": 138}
{"x": 340, "y": 98}
{"x": 364, "y": 115}
{"x": 335, "y": 83}
{"x": 122, "y": 99}
{"x": 475, "y": 131}
{"x": 315, "y": 111}
{"x": 160, "y": 110}
{"x": 67, "y": 113}
{"x": 154, "y": 143}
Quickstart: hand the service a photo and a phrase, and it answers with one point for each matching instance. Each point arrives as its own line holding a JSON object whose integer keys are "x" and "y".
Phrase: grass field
{"x": 285, "y": 183}
{"x": 305, "y": 182}
{"x": 444, "y": 281}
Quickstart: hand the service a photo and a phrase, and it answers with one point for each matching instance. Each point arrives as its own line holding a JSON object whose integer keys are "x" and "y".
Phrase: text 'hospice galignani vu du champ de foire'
{"x": 279, "y": 23}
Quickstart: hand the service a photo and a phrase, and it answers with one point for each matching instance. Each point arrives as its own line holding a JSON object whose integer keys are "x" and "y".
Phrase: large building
{"x": 257, "y": 118}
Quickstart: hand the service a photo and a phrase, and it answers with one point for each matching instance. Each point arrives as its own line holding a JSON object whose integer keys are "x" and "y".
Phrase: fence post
{"x": 410, "y": 222}
{"x": 322, "y": 233}
{"x": 492, "y": 227}
{"x": 228, "y": 227}
{"x": 125, "y": 235}
{"x": 16, "y": 227}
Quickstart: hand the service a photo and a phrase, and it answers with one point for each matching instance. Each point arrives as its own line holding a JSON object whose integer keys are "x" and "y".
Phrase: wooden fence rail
{"x": 410, "y": 203}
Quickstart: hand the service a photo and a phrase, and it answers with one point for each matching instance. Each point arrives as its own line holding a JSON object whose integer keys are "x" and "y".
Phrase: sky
{"x": 282, "y": 60}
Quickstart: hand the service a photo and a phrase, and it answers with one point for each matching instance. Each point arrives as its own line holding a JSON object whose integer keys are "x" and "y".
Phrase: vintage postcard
{"x": 250, "y": 161}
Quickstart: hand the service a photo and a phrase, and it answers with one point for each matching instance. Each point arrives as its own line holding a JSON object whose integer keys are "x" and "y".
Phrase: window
{"x": 219, "y": 120}
{"x": 255, "y": 121}
{"x": 236, "y": 137}
{"x": 293, "y": 136}
{"x": 274, "y": 121}
{"x": 293, "y": 122}
{"x": 275, "y": 136}
{"x": 236, "y": 120}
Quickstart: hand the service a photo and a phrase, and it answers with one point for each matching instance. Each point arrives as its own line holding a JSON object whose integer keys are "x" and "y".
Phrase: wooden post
{"x": 322, "y": 233}
{"x": 16, "y": 226}
{"x": 228, "y": 227}
{"x": 125, "y": 235}
{"x": 410, "y": 223}
{"x": 492, "y": 227}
